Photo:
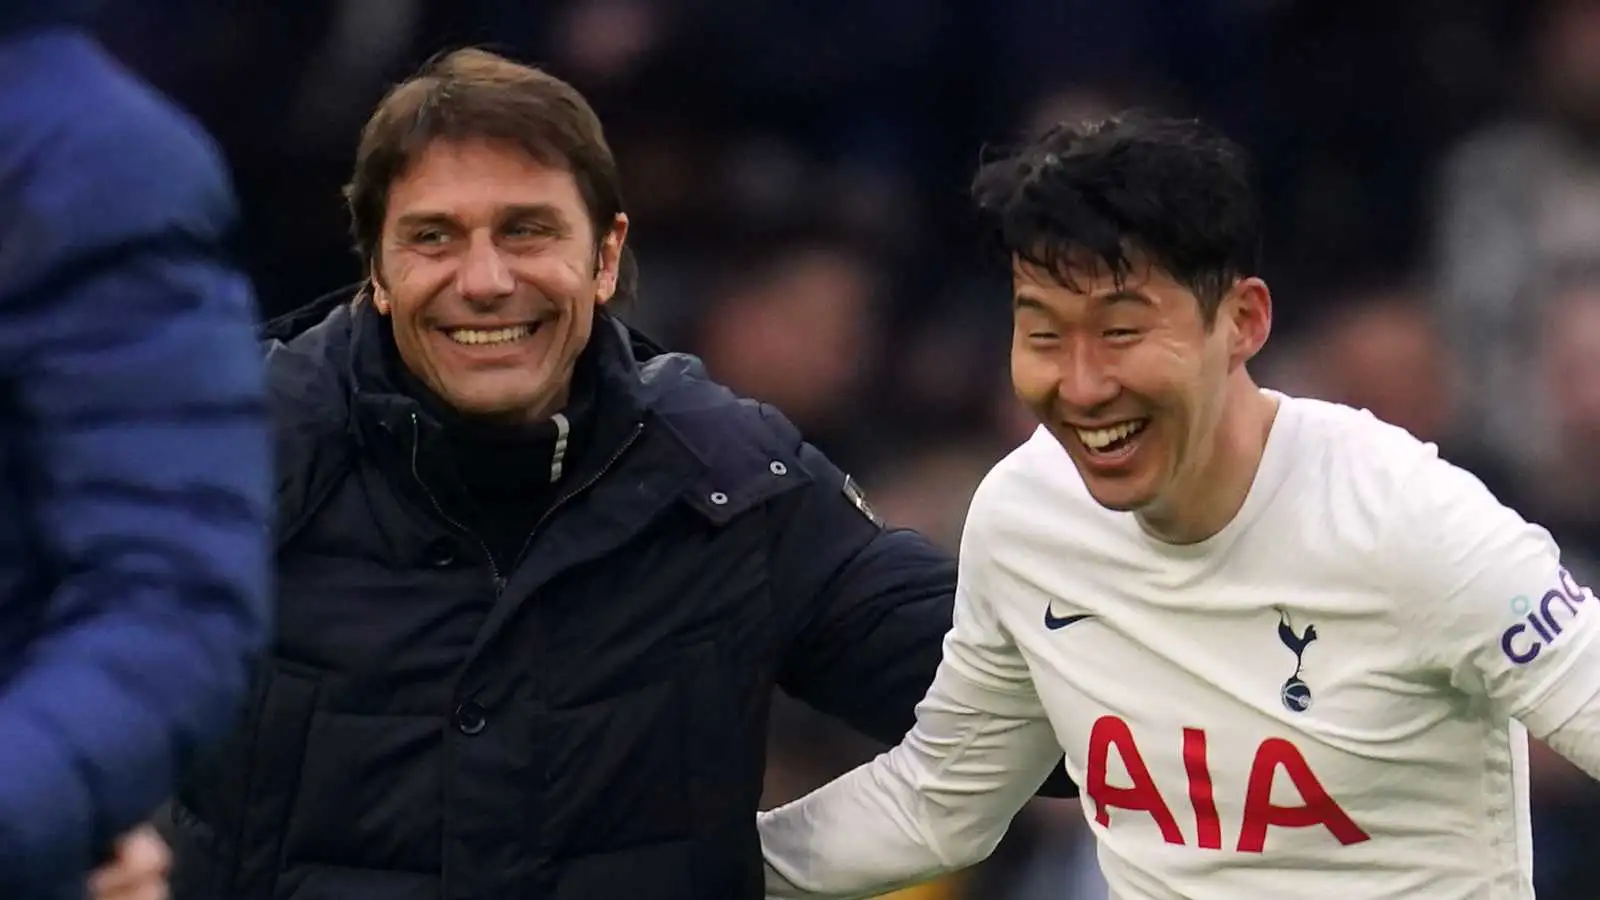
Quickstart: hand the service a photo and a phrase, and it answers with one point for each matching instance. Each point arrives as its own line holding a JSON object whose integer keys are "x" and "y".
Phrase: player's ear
{"x": 1248, "y": 307}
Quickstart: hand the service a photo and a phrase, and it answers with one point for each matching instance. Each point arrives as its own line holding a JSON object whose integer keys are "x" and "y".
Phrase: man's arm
{"x": 1496, "y": 610}
{"x": 133, "y": 390}
{"x": 874, "y": 604}
{"x": 943, "y": 798}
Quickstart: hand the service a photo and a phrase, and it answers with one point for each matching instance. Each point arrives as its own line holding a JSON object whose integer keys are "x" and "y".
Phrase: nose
{"x": 484, "y": 275}
{"x": 1084, "y": 381}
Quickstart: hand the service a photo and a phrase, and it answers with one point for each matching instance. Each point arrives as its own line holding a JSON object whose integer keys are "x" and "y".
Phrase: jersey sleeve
{"x": 1490, "y": 602}
{"x": 943, "y": 798}
{"x": 1578, "y": 738}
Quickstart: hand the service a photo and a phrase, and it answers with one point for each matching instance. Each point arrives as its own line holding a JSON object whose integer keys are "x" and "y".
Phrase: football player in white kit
{"x": 1288, "y": 651}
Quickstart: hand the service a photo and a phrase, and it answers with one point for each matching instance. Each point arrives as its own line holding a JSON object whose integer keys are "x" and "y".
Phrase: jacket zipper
{"x": 416, "y": 440}
{"x": 589, "y": 482}
{"x": 500, "y": 580}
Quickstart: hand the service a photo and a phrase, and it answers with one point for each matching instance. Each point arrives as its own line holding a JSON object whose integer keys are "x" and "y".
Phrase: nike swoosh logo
{"x": 1053, "y": 622}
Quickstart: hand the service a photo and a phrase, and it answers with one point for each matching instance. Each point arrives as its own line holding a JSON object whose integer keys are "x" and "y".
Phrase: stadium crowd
{"x": 795, "y": 172}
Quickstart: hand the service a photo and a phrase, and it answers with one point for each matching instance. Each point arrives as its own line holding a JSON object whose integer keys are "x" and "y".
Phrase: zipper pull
{"x": 499, "y": 585}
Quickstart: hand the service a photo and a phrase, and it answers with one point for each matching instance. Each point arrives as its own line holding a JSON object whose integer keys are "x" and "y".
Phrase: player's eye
{"x": 1121, "y": 335}
{"x": 527, "y": 230}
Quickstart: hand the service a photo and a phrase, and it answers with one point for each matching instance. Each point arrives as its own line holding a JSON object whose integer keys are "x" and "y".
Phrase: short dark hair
{"x": 473, "y": 93}
{"x": 1172, "y": 190}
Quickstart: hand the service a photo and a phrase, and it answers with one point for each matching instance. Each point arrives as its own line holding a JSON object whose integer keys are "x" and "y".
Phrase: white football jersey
{"x": 1321, "y": 700}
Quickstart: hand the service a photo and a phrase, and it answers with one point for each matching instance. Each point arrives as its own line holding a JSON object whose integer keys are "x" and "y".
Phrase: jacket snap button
{"x": 470, "y": 718}
{"x": 778, "y": 468}
{"x": 718, "y": 498}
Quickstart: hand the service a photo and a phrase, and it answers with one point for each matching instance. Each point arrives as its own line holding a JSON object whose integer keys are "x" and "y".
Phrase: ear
{"x": 380, "y": 294}
{"x": 1249, "y": 308}
{"x": 610, "y": 261}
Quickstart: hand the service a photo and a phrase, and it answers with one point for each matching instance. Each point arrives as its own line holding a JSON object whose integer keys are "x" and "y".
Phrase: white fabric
{"x": 1578, "y": 739}
{"x": 1419, "y": 586}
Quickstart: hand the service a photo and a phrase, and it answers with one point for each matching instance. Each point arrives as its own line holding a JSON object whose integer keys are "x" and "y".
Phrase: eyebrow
{"x": 1023, "y": 300}
{"x": 1028, "y": 301}
{"x": 1119, "y": 297}
{"x": 418, "y": 219}
{"x": 544, "y": 212}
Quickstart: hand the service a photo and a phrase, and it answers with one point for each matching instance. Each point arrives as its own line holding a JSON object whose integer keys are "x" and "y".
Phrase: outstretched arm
{"x": 943, "y": 798}
{"x": 939, "y": 802}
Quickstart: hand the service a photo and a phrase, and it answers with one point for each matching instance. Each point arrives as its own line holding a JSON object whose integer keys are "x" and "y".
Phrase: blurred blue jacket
{"x": 134, "y": 453}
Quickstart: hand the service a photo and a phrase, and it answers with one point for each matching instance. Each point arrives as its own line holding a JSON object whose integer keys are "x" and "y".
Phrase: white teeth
{"x": 1101, "y": 438}
{"x": 489, "y": 336}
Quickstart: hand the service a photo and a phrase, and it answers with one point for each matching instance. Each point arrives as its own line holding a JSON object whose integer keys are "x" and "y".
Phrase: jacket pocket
{"x": 276, "y": 759}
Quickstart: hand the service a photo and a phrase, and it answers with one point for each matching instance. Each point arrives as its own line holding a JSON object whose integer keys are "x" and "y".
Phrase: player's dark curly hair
{"x": 1172, "y": 190}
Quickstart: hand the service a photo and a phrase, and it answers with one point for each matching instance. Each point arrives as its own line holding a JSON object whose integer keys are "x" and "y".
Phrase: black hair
{"x": 1172, "y": 190}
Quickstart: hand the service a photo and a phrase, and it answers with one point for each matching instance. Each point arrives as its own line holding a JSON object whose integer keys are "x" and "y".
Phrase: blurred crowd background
{"x": 796, "y": 169}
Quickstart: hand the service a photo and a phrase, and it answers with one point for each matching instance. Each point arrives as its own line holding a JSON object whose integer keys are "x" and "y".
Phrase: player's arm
{"x": 943, "y": 798}
{"x": 1496, "y": 610}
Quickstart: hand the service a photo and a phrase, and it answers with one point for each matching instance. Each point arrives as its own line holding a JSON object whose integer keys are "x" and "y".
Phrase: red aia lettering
{"x": 1111, "y": 731}
{"x": 1319, "y": 808}
{"x": 1260, "y": 813}
{"x": 1207, "y": 826}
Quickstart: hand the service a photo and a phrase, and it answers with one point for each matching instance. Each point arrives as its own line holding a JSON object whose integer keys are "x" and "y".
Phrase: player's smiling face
{"x": 1129, "y": 377}
{"x": 490, "y": 273}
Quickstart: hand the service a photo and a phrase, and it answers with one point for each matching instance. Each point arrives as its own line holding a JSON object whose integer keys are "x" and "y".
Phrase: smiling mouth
{"x": 491, "y": 336}
{"x": 1112, "y": 440}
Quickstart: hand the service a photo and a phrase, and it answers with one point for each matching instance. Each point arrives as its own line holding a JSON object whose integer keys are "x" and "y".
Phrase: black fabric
{"x": 588, "y": 725}
{"x": 20, "y": 17}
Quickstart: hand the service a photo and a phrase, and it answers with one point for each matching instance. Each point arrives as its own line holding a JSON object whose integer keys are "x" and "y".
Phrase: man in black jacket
{"x": 537, "y": 578}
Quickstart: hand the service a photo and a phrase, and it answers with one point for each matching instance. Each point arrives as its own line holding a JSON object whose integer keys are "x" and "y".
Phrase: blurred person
{"x": 1379, "y": 349}
{"x": 794, "y": 330}
{"x": 134, "y": 456}
{"x": 1518, "y": 200}
{"x": 1376, "y": 350}
{"x": 1287, "y": 650}
{"x": 1563, "y": 483}
{"x": 537, "y": 578}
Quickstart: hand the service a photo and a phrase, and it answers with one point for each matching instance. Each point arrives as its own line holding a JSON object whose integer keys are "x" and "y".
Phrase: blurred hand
{"x": 138, "y": 872}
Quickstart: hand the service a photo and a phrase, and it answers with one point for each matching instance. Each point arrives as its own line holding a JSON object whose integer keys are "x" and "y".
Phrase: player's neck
{"x": 1215, "y": 491}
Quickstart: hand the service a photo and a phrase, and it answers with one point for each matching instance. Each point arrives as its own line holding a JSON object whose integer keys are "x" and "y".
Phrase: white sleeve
{"x": 1578, "y": 738}
{"x": 1490, "y": 603}
{"x": 944, "y": 797}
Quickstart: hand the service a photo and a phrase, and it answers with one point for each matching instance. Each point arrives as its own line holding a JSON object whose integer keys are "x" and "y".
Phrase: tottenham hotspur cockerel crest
{"x": 1296, "y": 693}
